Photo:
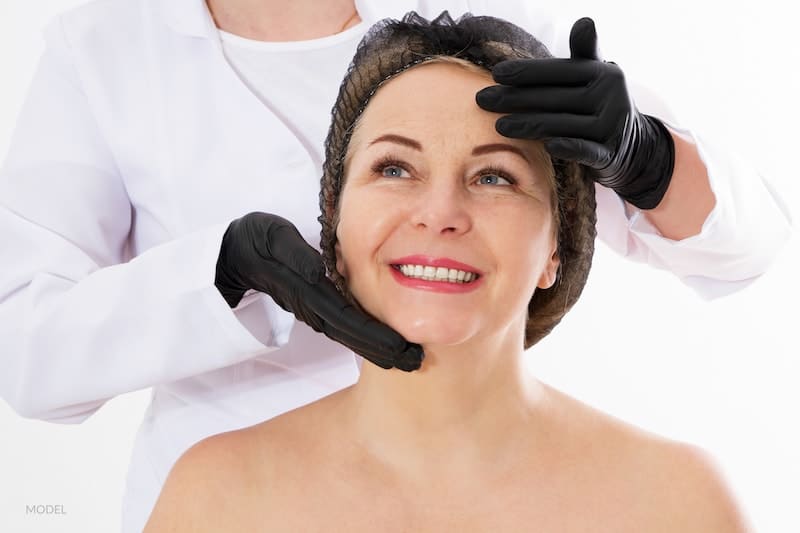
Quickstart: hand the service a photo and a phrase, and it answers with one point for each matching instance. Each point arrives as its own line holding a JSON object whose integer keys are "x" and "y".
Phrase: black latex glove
{"x": 266, "y": 252}
{"x": 581, "y": 108}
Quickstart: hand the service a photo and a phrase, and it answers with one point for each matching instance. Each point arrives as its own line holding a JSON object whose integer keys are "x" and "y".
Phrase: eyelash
{"x": 389, "y": 161}
{"x": 499, "y": 172}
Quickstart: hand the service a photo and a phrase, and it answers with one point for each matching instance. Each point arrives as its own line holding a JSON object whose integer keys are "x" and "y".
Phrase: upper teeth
{"x": 430, "y": 273}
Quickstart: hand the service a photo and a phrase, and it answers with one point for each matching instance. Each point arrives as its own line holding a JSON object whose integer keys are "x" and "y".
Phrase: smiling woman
{"x": 389, "y": 50}
{"x": 441, "y": 204}
{"x": 474, "y": 246}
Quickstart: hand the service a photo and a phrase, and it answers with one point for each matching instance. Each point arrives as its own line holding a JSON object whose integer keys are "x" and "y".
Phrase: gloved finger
{"x": 325, "y": 301}
{"x": 546, "y": 125}
{"x": 356, "y": 344}
{"x": 411, "y": 359}
{"x": 502, "y": 99}
{"x": 581, "y": 151}
{"x": 408, "y": 357}
{"x": 285, "y": 244}
{"x": 583, "y": 40}
{"x": 304, "y": 300}
{"x": 551, "y": 71}
{"x": 266, "y": 274}
{"x": 407, "y": 360}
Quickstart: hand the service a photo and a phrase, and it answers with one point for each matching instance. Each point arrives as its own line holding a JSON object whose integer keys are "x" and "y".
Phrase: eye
{"x": 393, "y": 171}
{"x": 390, "y": 167}
{"x": 491, "y": 179}
{"x": 493, "y": 176}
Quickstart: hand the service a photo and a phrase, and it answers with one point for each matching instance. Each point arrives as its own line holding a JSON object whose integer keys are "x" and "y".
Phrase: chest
{"x": 458, "y": 504}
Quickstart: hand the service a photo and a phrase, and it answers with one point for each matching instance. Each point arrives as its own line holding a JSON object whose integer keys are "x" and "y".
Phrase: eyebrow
{"x": 499, "y": 147}
{"x": 478, "y": 150}
{"x": 397, "y": 139}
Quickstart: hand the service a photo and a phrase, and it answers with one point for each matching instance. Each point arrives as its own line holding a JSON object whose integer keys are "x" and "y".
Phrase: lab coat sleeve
{"x": 740, "y": 237}
{"x": 81, "y": 322}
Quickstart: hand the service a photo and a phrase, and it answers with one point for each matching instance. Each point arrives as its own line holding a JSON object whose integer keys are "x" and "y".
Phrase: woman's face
{"x": 432, "y": 189}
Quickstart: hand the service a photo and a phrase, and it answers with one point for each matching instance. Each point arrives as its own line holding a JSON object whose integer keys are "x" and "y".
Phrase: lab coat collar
{"x": 191, "y": 17}
{"x": 187, "y": 17}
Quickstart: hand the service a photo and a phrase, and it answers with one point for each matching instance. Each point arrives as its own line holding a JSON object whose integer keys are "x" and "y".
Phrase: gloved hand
{"x": 266, "y": 252}
{"x": 580, "y": 107}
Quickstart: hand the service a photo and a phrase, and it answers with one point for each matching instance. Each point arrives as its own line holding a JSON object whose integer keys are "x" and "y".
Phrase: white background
{"x": 723, "y": 375}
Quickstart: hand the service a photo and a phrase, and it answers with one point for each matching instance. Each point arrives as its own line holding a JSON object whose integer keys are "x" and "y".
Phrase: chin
{"x": 439, "y": 332}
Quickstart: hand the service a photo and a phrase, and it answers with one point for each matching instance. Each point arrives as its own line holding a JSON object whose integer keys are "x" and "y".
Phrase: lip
{"x": 435, "y": 286}
{"x": 426, "y": 260}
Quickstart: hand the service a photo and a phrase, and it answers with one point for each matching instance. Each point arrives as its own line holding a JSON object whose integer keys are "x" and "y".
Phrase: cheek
{"x": 345, "y": 243}
{"x": 526, "y": 254}
{"x": 350, "y": 255}
{"x": 365, "y": 222}
{"x": 357, "y": 258}
{"x": 340, "y": 265}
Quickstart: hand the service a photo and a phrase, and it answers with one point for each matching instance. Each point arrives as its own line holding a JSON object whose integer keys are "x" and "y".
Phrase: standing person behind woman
{"x": 475, "y": 246}
{"x": 153, "y": 127}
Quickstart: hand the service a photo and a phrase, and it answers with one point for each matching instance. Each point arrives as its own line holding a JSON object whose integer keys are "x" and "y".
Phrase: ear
{"x": 550, "y": 272}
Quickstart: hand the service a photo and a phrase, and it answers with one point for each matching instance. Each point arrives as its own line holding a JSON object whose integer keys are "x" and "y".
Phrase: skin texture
{"x": 689, "y": 198}
{"x": 471, "y": 442}
{"x": 443, "y": 201}
{"x": 278, "y": 21}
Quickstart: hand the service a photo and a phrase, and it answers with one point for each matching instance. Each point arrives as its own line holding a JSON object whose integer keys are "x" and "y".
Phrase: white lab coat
{"x": 136, "y": 147}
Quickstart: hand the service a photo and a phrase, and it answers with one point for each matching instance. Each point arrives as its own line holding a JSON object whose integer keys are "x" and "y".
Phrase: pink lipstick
{"x": 421, "y": 271}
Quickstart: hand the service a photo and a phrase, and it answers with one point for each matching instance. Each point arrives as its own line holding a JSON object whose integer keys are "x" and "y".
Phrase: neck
{"x": 467, "y": 406}
{"x": 282, "y": 20}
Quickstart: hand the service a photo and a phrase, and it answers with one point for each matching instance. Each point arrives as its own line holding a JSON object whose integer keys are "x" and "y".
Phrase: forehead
{"x": 437, "y": 76}
{"x": 434, "y": 104}
{"x": 432, "y": 99}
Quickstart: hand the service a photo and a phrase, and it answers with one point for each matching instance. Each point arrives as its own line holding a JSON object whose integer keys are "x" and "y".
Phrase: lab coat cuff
{"x": 741, "y": 236}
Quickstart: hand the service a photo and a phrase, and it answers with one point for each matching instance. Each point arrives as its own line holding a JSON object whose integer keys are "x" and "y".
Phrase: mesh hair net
{"x": 392, "y": 46}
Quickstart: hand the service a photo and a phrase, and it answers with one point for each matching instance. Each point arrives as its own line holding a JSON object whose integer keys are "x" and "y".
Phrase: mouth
{"x": 436, "y": 270}
{"x": 437, "y": 274}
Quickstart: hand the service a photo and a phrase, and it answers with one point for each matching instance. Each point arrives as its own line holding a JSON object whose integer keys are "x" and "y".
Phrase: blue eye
{"x": 392, "y": 171}
{"x": 391, "y": 167}
{"x": 493, "y": 179}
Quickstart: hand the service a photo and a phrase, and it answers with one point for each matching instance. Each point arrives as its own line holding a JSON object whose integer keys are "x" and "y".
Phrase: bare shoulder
{"x": 205, "y": 486}
{"x": 658, "y": 482}
{"x": 239, "y": 480}
{"x": 695, "y": 496}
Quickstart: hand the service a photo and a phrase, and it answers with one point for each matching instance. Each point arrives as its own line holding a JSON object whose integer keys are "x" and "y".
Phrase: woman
{"x": 474, "y": 246}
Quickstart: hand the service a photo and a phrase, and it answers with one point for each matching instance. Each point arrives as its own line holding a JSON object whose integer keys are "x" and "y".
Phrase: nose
{"x": 443, "y": 208}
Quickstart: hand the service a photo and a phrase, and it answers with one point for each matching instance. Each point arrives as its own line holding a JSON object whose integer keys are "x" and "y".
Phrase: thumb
{"x": 583, "y": 40}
